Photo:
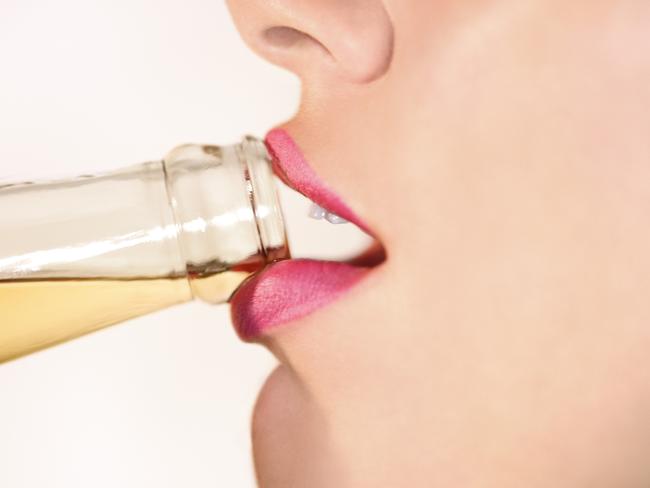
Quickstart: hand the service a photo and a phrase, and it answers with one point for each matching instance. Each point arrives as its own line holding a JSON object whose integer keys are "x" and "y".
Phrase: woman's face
{"x": 500, "y": 149}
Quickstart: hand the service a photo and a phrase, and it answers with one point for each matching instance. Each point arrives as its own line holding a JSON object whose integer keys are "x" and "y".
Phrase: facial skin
{"x": 501, "y": 151}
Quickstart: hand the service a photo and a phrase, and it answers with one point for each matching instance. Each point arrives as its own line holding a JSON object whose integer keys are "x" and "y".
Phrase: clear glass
{"x": 78, "y": 255}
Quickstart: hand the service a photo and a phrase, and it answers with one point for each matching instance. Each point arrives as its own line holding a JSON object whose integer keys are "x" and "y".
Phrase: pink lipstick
{"x": 292, "y": 167}
{"x": 288, "y": 290}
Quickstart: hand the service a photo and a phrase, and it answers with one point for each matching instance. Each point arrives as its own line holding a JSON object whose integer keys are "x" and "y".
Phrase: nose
{"x": 347, "y": 39}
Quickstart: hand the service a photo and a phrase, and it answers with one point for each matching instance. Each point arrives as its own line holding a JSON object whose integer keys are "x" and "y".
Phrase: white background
{"x": 163, "y": 401}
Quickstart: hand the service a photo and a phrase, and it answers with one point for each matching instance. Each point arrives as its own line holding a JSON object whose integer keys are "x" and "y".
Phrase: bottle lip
{"x": 265, "y": 201}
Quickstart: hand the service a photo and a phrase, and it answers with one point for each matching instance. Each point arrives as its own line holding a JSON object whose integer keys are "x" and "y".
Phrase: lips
{"x": 289, "y": 290}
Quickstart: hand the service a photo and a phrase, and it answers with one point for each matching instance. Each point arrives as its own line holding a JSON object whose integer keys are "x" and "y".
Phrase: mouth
{"x": 286, "y": 291}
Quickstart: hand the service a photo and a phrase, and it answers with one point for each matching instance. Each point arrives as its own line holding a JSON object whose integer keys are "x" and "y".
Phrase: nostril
{"x": 284, "y": 37}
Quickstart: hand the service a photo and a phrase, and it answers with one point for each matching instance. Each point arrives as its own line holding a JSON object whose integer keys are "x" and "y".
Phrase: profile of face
{"x": 500, "y": 150}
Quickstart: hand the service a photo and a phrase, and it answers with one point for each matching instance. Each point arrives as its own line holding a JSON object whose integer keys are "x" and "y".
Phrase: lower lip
{"x": 289, "y": 290}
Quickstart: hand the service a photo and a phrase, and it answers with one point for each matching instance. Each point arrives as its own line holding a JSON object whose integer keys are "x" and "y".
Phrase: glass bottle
{"x": 78, "y": 255}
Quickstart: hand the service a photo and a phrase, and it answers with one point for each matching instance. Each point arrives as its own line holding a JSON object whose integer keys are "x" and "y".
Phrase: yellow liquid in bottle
{"x": 36, "y": 314}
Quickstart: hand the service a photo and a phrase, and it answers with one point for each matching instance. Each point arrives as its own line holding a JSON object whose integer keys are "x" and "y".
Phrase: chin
{"x": 291, "y": 442}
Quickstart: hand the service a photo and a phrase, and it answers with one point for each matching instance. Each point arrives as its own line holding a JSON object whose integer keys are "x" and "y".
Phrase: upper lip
{"x": 288, "y": 290}
{"x": 290, "y": 166}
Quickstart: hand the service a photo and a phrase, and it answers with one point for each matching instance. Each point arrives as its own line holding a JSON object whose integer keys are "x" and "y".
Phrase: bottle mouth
{"x": 264, "y": 199}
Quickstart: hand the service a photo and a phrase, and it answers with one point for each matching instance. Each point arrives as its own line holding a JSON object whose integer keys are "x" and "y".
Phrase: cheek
{"x": 509, "y": 139}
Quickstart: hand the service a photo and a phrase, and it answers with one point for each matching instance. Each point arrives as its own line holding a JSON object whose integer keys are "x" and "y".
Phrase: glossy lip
{"x": 288, "y": 290}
